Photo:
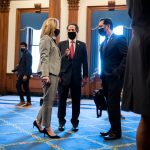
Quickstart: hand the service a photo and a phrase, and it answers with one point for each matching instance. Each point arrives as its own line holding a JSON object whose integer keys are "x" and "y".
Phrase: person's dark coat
{"x": 113, "y": 56}
{"x": 136, "y": 91}
{"x": 25, "y": 64}
{"x": 113, "y": 60}
{"x": 72, "y": 68}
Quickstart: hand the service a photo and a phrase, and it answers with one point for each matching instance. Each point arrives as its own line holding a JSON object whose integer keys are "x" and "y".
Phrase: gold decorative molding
{"x": 4, "y": 5}
{"x": 37, "y": 7}
{"x": 55, "y": 9}
{"x": 73, "y": 11}
{"x": 73, "y": 4}
{"x": 111, "y": 4}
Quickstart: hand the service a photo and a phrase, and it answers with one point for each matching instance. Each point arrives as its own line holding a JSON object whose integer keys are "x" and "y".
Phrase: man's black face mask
{"x": 102, "y": 32}
{"x": 22, "y": 49}
{"x": 71, "y": 35}
{"x": 56, "y": 32}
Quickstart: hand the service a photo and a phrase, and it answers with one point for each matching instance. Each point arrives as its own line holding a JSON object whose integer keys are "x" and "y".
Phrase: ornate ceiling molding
{"x": 73, "y": 4}
{"x": 111, "y": 4}
{"x": 37, "y": 7}
{"x": 4, "y": 5}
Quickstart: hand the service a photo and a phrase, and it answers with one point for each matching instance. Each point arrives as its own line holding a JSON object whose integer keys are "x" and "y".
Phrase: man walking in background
{"x": 24, "y": 71}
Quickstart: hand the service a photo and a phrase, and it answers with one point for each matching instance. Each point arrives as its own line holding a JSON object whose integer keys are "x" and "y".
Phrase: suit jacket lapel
{"x": 105, "y": 45}
{"x": 67, "y": 44}
{"x": 111, "y": 38}
{"x": 77, "y": 47}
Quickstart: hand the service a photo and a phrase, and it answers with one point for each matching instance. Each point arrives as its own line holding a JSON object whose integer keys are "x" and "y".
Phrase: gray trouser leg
{"x": 44, "y": 115}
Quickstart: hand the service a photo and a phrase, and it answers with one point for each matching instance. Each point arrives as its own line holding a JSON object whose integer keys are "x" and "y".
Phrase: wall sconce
{"x": 111, "y": 4}
{"x": 37, "y": 7}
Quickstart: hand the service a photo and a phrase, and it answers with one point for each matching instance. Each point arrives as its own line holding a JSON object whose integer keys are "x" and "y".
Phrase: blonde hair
{"x": 49, "y": 27}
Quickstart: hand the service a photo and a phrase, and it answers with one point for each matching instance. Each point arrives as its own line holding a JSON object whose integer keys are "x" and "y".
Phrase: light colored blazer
{"x": 50, "y": 57}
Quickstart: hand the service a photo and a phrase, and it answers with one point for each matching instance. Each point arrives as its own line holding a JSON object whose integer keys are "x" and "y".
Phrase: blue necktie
{"x": 105, "y": 44}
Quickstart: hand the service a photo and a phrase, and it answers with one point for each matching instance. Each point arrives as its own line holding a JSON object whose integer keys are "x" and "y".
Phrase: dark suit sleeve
{"x": 62, "y": 50}
{"x": 65, "y": 60}
{"x": 85, "y": 61}
{"x": 101, "y": 59}
{"x": 145, "y": 8}
{"x": 28, "y": 71}
{"x": 130, "y": 5}
{"x": 59, "y": 46}
{"x": 122, "y": 47}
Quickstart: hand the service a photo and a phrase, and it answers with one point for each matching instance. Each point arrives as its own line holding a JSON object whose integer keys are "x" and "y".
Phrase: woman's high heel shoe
{"x": 53, "y": 137}
{"x": 35, "y": 124}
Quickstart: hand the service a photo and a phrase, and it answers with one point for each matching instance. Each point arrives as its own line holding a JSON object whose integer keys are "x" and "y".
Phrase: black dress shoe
{"x": 37, "y": 126}
{"x": 50, "y": 136}
{"x": 105, "y": 133}
{"x": 75, "y": 128}
{"x": 61, "y": 127}
{"x": 112, "y": 136}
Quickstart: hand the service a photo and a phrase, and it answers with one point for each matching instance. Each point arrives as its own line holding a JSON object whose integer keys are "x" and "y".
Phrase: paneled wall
{"x": 4, "y": 16}
{"x": 8, "y": 46}
{"x": 9, "y": 55}
{"x": 35, "y": 84}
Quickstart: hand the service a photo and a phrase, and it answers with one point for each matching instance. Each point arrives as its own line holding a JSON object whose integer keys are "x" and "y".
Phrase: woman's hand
{"x": 84, "y": 81}
{"x": 46, "y": 81}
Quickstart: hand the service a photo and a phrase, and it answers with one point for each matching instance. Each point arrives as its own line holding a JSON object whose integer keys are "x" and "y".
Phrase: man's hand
{"x": 84, "y": 81}
{"x": 67, "y": 52}
{"x": 59, "y": 79}
{"x": 24, "y": 78}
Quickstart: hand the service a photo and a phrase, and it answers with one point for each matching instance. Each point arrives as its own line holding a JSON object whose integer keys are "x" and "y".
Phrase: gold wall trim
{"x": 73, "y": 4}
{"x": 4, "y": 5}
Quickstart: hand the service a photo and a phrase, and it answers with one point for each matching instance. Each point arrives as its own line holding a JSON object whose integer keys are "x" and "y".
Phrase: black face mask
{"x": 56, "y": 32}
{"x": 71, "y": 35}
{"x": 102, "y": 32}
{"x": 22, "y": 49}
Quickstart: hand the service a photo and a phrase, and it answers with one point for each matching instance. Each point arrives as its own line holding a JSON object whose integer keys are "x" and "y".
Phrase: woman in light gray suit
{"x": 49, "y": 68}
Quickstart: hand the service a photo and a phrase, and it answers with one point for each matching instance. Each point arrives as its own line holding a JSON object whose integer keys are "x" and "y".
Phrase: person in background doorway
{"x": 24, "y": 72}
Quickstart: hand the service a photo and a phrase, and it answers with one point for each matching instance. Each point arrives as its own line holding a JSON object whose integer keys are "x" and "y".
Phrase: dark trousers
{"x": 112, "y": 87}
{"x": 25, "y": 84}
{"x": 75, "y": 92}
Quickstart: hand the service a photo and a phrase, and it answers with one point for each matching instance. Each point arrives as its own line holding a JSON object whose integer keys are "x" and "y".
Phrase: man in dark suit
{"x": 24, "y": 71}
{"x": 113, "y": 59}
{"x": 74, "y": 62}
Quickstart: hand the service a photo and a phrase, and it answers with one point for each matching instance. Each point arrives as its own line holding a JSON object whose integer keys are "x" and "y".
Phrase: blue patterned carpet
{"x": 17, "y": 132}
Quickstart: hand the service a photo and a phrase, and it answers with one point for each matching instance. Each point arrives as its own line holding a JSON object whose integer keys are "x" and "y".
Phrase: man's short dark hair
{"x": 107, "y": 21}
{"x": 76, "y": 26}
{"x": 24, "y": 43}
